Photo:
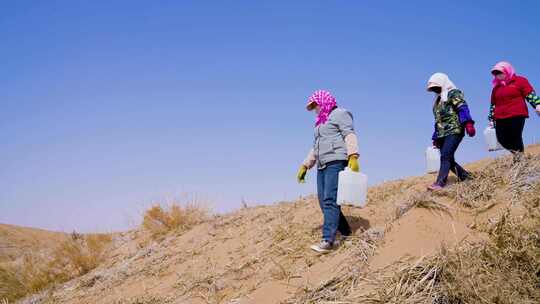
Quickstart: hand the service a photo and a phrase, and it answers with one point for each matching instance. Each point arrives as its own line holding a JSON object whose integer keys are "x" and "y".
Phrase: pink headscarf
{"x": 325, "y": 101}
{"x": 507, "y": 69}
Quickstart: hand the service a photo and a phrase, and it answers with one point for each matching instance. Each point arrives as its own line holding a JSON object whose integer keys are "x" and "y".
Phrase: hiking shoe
{"x": 435, "y": 187}
{"x": 323, "y": 247}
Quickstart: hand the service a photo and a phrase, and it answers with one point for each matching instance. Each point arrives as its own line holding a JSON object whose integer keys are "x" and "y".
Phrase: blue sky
{"x": 107, "y": 106}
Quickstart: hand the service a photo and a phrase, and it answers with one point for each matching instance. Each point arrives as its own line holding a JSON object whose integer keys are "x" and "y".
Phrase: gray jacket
{"x": 329, "y": 144}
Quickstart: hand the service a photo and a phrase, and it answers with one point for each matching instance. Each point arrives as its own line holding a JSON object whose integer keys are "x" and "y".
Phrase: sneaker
{"x": 323, "y": 247}
{"x": 435, "y": 187}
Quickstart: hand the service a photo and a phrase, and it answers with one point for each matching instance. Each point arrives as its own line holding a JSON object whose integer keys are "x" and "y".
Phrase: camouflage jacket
{"x": 450, "y": 115}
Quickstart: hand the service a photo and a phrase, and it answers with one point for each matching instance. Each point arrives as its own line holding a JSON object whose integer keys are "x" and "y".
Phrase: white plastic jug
{"x": 491, "y": 139}
{"x": 352, "y": 188}
{"x": 433, "y": 159}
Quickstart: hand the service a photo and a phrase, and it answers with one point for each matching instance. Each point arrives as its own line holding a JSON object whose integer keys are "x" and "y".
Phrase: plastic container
{"x": 352, "y": 188}
{"x": 433, "y": 159}
{"x": 491, "y": 139}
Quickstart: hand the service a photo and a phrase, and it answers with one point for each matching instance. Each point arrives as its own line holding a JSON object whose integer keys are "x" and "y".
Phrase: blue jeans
{"x": 449, "y": 145}
{"x": 327, "y": 185}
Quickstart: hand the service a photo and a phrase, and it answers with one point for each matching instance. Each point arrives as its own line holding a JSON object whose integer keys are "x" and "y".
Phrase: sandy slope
{"x": 261, "y": 254}
{"x": 14, "y": 240}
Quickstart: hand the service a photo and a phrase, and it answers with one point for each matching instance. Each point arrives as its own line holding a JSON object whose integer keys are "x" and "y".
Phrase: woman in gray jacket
{"x": 335, "y": 147}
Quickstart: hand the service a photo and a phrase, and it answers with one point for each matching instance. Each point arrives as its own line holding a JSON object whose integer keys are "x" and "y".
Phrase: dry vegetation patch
{"x": 159, "y": 220}
{"x": 501, "y": 180}
{"x": 76, "y": 255}
{"x": 503, "y": 269}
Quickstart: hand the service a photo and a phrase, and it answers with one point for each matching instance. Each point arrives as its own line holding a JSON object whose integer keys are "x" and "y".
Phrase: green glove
{"x": 301, "y": 176}
{"x": 353, "y": 163}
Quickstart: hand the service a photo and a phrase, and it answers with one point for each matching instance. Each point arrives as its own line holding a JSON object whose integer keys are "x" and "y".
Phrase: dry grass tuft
{"x": 409, "y": 283}
{"x": 159, "y": 220}
{"x": 502, "y": 179}
{"x": 523, "y": 177}
{"x": 424, "y": 200}
{"x": 207, "y": 285}
{"x": 483, "y": 188}
{"x": 81, "y": 253}
{"x": 75, "y": 256}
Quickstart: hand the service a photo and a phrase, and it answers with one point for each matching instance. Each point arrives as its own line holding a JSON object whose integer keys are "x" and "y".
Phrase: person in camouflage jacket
{"x": 452, "y": 121}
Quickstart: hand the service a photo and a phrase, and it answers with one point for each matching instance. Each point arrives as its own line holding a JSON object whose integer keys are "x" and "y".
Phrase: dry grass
{"x": 288, "y": 242}
{"x": 345, "y": 282}
{"x": 501, "y": 180}
{"x": 75, "y": 256}
{"x": 504, "y": 269}
{"x": 159, "y": 220}
{"x": 81, "y": 253}
{"x": 388, "y": 190}
{"x": 425, "y": 200}
{"x": 206, "y": 285}
{"x": 145, "y": 300}
{"x": 523, "y": 177}
{"x": 485, "y": 187}
{"x": 333, "y": 290}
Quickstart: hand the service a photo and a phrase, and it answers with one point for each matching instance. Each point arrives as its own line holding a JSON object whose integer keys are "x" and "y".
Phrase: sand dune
{"x": 261, "y": 254}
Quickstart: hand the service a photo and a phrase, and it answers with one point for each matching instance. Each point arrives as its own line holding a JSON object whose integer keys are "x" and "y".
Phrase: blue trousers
{"x": 327, "y": 185}
{"x": 449, "y": 145}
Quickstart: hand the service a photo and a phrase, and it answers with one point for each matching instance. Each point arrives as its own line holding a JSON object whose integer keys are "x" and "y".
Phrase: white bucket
{"x": 491, "y": 139}
{"x": 352, "y": 188}
{"x": 433, "y": 159}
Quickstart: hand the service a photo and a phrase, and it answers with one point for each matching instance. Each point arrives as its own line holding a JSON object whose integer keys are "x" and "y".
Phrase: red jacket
{"x": 509, "y": 100}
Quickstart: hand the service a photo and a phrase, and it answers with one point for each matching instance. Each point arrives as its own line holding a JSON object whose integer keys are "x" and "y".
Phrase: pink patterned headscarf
{"x": 325, "y": 101}
{"x": 507, "y": 69}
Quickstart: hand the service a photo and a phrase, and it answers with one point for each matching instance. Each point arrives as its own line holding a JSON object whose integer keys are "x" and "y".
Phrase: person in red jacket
{"x": 509, "y": 108}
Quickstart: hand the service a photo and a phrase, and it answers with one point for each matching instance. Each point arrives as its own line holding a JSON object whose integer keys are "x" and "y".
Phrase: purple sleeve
{"x": 435, "y": 135}
{"x": 464, "y": 114}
